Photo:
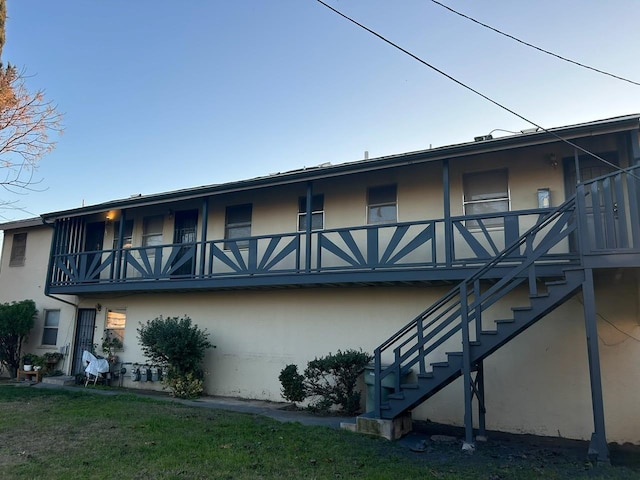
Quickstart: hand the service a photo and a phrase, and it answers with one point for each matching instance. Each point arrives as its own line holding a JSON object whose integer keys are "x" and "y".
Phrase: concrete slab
{"x": 63, "y": 380}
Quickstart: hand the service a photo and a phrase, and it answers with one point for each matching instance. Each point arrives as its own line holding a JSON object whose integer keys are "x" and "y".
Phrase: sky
{"x": 161, "y": 95}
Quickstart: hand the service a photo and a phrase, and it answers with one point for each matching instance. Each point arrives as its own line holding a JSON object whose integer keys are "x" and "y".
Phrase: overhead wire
{"x": 477, "y": 92}
{"x": 535, "y": 47}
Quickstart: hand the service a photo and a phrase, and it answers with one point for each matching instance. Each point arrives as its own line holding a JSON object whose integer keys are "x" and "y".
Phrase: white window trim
{"x": 477, "y": 227}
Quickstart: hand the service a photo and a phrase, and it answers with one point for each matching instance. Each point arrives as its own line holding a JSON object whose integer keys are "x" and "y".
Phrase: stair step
{"x": 489, "y": 332}
{"x": 440, "y": 364}
{"x": 538, "y": 296}
{"x": 555, "y": 282}
{"x": 506, "y": 320}
{"x": 409, "y": 386}
{"x": 425, "y": 375}
{"x": 521, "y": 309}
{"x": 475, "y": 343}
{"x": 454, "y": 354}
{"x": 396, "y": 396}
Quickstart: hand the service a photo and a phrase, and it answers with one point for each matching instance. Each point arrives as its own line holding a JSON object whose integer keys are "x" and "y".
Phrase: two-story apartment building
{"x": 522, "y": 249}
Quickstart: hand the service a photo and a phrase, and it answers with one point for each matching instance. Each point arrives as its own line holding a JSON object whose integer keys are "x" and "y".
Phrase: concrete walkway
{"x": 275, "y": 410}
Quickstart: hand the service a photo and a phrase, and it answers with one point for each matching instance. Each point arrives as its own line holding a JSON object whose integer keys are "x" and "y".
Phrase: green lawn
{"x": 53, "y": 434}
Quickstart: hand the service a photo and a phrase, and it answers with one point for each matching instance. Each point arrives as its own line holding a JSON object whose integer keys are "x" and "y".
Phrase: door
{"x": 185, "y": 233}
{"x": 93, "y": 240}
{"x": 85, "y": 326}
{"x": 588, "y": 169}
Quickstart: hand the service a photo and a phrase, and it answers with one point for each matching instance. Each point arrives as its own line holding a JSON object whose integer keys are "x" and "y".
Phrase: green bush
{"x": 184, "y": 386}
{"x": 332, "y": 380}
{"x": 16, "y": 320}
{"x": 292, "y": 384}
{"x": 177, "y": 345}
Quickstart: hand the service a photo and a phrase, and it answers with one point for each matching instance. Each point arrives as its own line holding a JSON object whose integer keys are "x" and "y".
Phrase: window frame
{"x": 487, "y": 199}
{"x": 147, "y": 235}
{"x": 230, "y": 227}
{"x": 18, "y": 251}
{"x": 317, "y": 211}
{"x": 111, "y": 331}
{"x": 382, "y": 202}
{"x": 127, "y": 238}
{"x": 49, "y": 328}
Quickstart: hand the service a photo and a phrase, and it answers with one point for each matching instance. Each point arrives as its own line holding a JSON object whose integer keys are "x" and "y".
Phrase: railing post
{"x": 468, "y": 444}
{"x": 307, "y": 226}
{"x": 377, "y": 383}
{"x": 478, "y": 309}
{"x": 123, "y": 219}
{"x": 420, "y": 335}
{"x": 448, "y": 226}
{"x": 203, "y": 235}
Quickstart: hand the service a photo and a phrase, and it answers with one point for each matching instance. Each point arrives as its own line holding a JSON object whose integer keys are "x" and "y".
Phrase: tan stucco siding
{"x": 28, "y": 282}
{"x": 538, "y": 383}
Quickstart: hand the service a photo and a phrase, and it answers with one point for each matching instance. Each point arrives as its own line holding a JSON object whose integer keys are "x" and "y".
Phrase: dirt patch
{"x": 517, "y": 452}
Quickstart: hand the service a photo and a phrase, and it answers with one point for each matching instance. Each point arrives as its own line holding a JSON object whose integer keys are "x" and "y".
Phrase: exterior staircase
{"x": 596, "y": 228}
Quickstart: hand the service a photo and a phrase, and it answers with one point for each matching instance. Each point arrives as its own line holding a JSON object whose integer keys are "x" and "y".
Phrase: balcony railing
{"x": 428, "y": 250}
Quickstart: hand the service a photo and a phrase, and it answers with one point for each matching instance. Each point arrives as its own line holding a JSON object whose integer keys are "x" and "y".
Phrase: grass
{"x": 65, "y": 434}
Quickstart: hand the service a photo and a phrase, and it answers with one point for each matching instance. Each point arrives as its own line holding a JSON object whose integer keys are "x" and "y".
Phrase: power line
{"x": 477, "y": 92}
{"x": 540, "y": 49}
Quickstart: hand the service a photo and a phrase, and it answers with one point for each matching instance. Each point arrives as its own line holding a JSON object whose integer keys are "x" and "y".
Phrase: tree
{"x": 16, "y": 321}
{"x": 27, "y": 122}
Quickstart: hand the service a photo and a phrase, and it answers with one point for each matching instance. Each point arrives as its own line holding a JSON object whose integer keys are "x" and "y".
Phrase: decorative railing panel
{"x": 430, "y": 245}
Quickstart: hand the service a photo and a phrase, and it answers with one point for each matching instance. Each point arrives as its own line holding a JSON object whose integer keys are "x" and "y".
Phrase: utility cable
{"x": 535, "y": 47}
{"x": 477, "y": 92}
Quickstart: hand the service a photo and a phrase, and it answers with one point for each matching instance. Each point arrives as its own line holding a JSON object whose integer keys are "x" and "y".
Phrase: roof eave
{"x": 600, "y": 127}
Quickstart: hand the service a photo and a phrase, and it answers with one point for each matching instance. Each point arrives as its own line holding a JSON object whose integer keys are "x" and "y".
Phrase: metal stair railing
{"x": 464, "y": 303}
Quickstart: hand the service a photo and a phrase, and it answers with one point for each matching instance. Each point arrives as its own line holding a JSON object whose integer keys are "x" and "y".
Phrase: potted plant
{"x": 28, "y": 359}
{"x": 51, "y": 359}
{"x": 110, "y": 345}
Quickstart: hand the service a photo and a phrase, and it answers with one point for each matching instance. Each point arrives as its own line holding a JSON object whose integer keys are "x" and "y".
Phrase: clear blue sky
{"x": 162, "y": 95}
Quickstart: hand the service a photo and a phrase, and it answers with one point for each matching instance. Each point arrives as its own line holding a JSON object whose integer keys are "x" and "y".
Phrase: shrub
{"x": 16, "y": 320}
{"x": 184, "y": 386}
{"x": 177, "y": 345}
{"x": 292, "y": 384}
{"x": 332, "y": 379}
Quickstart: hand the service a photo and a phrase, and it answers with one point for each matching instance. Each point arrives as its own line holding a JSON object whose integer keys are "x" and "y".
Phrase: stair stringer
{"x": 443, "y": 373}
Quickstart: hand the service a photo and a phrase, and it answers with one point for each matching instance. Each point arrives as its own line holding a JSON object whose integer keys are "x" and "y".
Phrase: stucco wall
{"x": 28, "y": 282}
{"x": 538, "y": 383}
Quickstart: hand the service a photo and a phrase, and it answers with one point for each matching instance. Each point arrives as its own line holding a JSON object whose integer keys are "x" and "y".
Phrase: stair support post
{"x": 479, "y": 391}
{"x": 468, "y": 444}
{"x": 598, "y": 446}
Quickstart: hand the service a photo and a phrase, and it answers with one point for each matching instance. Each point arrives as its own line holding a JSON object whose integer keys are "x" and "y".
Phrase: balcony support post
{"x": 598, "y": 447}
{"x": 468, "y": 444}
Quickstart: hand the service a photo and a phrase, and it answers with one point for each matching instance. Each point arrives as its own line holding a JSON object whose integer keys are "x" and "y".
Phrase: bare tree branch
{"x": 27, "y": 121}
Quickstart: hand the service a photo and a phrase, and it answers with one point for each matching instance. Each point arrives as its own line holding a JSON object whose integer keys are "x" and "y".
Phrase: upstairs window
{"x": 127, "y": 238}
{"x": 382, "y": 204}
{"x": 18, "y": 250}
{"x": 317, "y": 213}
{"x": 152, "y": 231}
{"x": 238, "y": 224}
{"x": 486, "y": 193}
{"x": 51, "y": 324}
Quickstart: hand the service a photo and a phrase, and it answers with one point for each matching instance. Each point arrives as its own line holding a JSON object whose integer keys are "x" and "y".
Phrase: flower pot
{"x": 27, "y": 368}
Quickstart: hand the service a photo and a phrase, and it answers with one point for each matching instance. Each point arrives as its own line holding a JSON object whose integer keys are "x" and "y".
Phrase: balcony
{"x": 428, "y": 251}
